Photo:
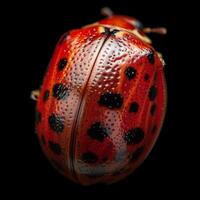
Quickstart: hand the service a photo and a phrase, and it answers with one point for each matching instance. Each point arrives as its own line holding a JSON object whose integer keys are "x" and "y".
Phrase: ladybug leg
{"x": 159, "y": 30}
{"x": 106, "y": 11}
{"x": 35, "y": 94}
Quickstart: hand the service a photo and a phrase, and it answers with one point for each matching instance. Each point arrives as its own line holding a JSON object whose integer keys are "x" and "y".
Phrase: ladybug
{"x": 103, "y": 100}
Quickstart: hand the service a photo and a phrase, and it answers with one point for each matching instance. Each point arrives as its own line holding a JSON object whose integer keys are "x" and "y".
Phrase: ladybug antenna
{"x": 106, "y": 11}
{"x": 159, "y": 30}
{"x": 35, "y": 94}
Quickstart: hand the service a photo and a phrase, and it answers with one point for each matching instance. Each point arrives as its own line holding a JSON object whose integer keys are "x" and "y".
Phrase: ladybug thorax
{"x": 129, "y": 23}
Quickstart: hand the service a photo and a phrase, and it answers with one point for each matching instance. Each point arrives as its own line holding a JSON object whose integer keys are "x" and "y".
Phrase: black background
{"x": 37, "y": 28}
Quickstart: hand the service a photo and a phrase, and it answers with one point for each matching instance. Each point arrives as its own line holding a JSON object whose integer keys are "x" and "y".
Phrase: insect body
{"x": 102, "y": 102}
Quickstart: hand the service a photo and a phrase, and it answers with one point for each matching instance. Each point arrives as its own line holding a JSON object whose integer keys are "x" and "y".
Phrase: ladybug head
{"x": 123, "y": 22}
{"x": 120, "y": 20}
{"x": 129, "y": 23}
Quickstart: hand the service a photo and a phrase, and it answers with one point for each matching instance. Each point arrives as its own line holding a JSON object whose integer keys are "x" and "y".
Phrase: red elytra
{"x": 102, "y": 102}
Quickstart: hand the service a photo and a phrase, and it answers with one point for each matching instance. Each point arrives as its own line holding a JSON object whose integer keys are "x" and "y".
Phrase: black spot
{"x": 153, "y": 109}
{"x": 55, "y": 147}
{"x": 146, "y": 77}
{"x": 111, "y": 100}
{"x": 137, "y": 153}
{"x": 60, "y": 91}
{"x": 150, "y": 57}
{"x": 38, "y": 117}
{"x": 130, "y": 72}
{"x": 46, "y": 95}
{"x": 89, "y": 157}
{"x": 107, "y": 31}
{"x": 56, "y": 123}
{"x": 62, "y": 63}
{"x": 43, "y": 139}
{"x": 134, "y": 136}
{"x": 97, "y": 132}
{"x": 154, "y": 129}
{"x": 152, "y": 93}
{"x": 57, "y": 165}
{"x": 134, "y": 107}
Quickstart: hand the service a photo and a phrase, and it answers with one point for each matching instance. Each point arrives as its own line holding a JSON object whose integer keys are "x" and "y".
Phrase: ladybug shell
{"x": 101, "y": 104}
